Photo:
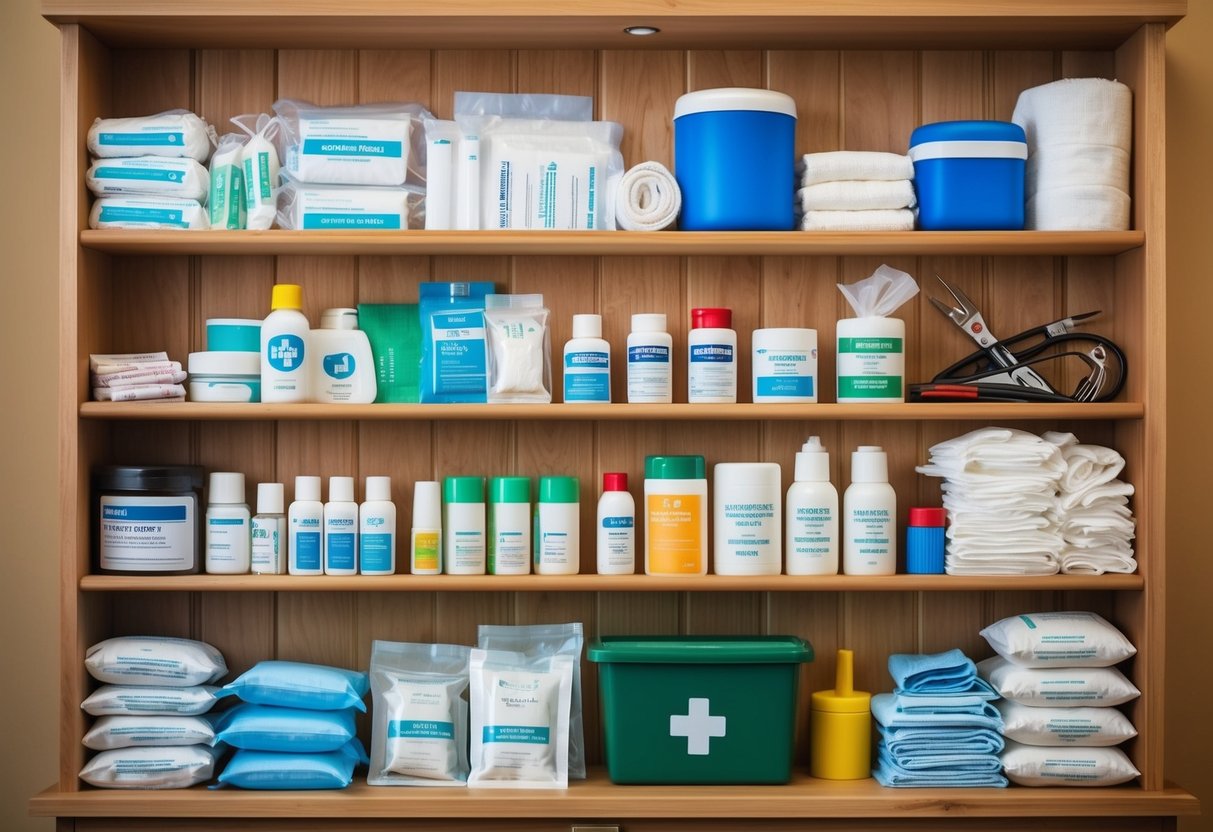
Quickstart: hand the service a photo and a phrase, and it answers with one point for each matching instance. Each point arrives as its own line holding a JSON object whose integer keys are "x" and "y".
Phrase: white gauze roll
{"x": 1076, "y": 111}
{"x": 1079, "y": 208}
{"x": 649, "y": 199}
{"x": 171, "y": 133}
{"x": 154, "y": 175}
{"x": 148, "y": 212}
{"x": 1076, "y": 164}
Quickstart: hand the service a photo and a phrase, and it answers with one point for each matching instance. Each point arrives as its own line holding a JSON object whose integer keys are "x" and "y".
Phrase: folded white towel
{"x": 1076, "y": 164}
{"x": 857, "y": 195}
{"x": 892, "y": 219}
{"x": 1096, "y": 564}
{"x": 835, "y": 165}
{"x": 648, "y": 199}
{"x": 1076, "y": 111}
{"x": 1078, "y": 208}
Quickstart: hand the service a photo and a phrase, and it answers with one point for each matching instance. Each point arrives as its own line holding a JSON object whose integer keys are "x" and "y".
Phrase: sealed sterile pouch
{"x": 520, "y": 720}
{"x": 154, "y": 660}
{"x": 318, "y": 207}
{"x": 1027, "y": 765}
{"x": 1058, "y": 639}
{"x": 453, "y": 364}
{"x": 278, "y": 770}
{"x": 148, "y": 212}
{"x": 272, "y": 728}
{"x": 394, "y": 330}
{"x": 171, "y": 133}
{"x": 419, "y": 729}
{"x": 525, "y": 105}
{"x": 1084, "y": 727}
{"x": 365, "y": 144}
{"x": 259, "y": 165}
{"x": 1067, "y": 687}
{"x": 447, "y": 176}
{"x": 518, "y": 349}
{"x": 880, "y": 294}
{"x": 300, "y": 685}
{"x": 144, "y": 700}
{"x": 226, "y": 203}
{"x": 536, "y": 641}
{"x": 169, "y": 767}
{"x": 110, "y": 732}
{"x": 149, "y": 175}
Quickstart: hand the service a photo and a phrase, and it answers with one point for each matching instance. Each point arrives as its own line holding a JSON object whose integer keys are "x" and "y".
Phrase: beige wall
{"x": 28, "y": 100}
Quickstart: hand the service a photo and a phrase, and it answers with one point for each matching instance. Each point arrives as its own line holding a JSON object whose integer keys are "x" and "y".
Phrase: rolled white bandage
{"x": 155, "y": 175}
{"x": 649, "y": 199}
{"x": 147, "y": 212}
{"x": 171, "y": 133}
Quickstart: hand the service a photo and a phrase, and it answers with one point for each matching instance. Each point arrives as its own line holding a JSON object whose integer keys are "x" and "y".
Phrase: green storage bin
{"x": 686, "y": 709}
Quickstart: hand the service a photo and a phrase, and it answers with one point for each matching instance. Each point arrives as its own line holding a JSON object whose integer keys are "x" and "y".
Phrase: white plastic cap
{"x": 341, "y": 489}
{"x": 869, "y": 463}
{"x": 307, "y": 488}
{"x": 427, "y": 505}
{"x": 587, "y": 326}
{"x": 813, "y": 462}
{"x": 339, "y": 319}
{"x": 379, "y": 488}
{"x": 726, "y": 474}
{"x": 734, "y": 98}
{"x": 649, "y": 322}
{"x": 226, "y": 487}
{"x": 270, "y": 497}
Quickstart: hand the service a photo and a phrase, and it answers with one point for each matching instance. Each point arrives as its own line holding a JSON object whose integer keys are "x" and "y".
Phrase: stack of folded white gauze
{"x": 130, "y": 377}
{"x": 856, "y": 190}
{"x": 148, "y": 172}
{"x": 1055, "y": 673}
{"x": 1018, "y": 506}
{"x": 1080, "y": 133}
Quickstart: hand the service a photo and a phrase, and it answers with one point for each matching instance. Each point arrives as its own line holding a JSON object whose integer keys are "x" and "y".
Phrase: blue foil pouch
{"x": 453, "y": 358}
{"x": 281, "y": 770}
{"x": 267, "y": 728}
{"x": 316, "y": 687}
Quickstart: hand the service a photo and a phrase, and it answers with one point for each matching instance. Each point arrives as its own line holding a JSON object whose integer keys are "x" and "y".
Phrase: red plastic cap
{"x": 928, "y": 517}
{"x": 711, "y": 317}
{"x": 614, "y": 482}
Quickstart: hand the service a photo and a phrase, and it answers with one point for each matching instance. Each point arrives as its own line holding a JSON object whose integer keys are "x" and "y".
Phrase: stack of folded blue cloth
{"x": 938, "y": 728}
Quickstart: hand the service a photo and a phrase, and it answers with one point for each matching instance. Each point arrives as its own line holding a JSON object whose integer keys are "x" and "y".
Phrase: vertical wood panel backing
{"x": 638, "y": 89}
{"x": 152, "y": 614}
{"x": 880, "y": 101}
{"x": 149, "y": 81}
{"x": 709, "y": 68}
{"x": 813, "y": 79}
{"x": 240, "y": 624}
{"x": 556, "y": 71}
{"x": 803, "y": 292}
{"x": 876, "y": 625}
{"x": 466, "y": 70}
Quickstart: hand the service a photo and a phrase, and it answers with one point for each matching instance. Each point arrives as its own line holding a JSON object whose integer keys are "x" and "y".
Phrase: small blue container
{"x": 233, "y": 335}
{"x": 734, "y": 159}
{"x": 925, "y": 541}
{"x": 969, "y": 175}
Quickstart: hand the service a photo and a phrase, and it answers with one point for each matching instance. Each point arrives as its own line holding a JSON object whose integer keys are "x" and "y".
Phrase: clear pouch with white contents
{"x": 518, "y": 349}
{"x": 420, "y": 716}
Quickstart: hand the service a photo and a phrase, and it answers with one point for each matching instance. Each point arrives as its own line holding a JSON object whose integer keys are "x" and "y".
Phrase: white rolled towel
{"x": 857, "y": 195}
{"x": 836, "y": 165}
{"x": 1078, "y": 208}
{"x": 1076, "y": 111}
{"x": 889, "y": 219}
{"x": 1064, "y": 165}
{"x": 649, "y": 199}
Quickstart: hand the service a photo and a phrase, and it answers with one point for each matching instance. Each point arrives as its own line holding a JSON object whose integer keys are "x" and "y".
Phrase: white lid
{"x": 786, "y": 337}
{"x": 379, "y": 488}
{"x": 726, "y": 474}
{"x": 587, "y": 326}
{"x": 649, "y": 322}
{"x": 427, "y": 505}
{"x": 339, "y": 319}
{"x": 869, "y": 463}
{"x": 226, "y": 488}
{"x": 341, "y": 489}
{"x": 734, "y": 98}
{"x": 270, "y": 497}
{"x": 307, "y": 488}
{"x": 224, "y": 364}
{"x": 233, "y": 322}
{"x": 813, "y": 462}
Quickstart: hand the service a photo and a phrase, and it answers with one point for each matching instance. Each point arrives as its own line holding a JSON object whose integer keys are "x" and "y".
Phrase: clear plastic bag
{"x": 518, "y": 349}
{"x": 226, "y": 203}
{"x": 259, "y": 162}
{"x": 346, "y": 207}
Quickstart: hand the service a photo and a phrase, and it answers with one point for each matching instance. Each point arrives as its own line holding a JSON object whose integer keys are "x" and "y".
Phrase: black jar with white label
{"x": 147, "y": 519}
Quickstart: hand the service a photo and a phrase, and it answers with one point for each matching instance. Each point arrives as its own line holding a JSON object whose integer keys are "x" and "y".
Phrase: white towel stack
{"x": 856, "y": 190}
{"x": 1092, "y": 509}
{"x": 1080, "y": 134}
{"x": 131, "y": 377}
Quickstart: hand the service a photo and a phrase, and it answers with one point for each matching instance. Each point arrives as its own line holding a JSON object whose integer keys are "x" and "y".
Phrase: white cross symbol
{"x": 697, "y": 726}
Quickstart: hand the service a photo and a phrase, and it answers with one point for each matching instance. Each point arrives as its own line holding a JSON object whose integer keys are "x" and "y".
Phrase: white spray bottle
{"x": 812, "y": 514}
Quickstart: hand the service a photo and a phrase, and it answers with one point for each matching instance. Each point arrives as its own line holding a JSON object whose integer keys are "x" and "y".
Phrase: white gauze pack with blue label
{"x": 110, "y": 732}
{"x": 259, "y": 166}
{"x": 171, "y": 133}
{"x": 154, "y": 660}
{"x": 145, "y": 700}
{"x": 1058, "y": 639}
{"x": 226, "y": 202}
{"x": 453, "y": 360}
{"x": 148, "y": 212}
{"x": 340, "y": 207}
{"x": 155, "y": 175}
{"x": 169, "y": 767}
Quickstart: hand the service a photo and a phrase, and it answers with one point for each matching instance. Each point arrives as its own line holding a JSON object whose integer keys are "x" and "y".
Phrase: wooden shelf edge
{"x": 598, "y": 798}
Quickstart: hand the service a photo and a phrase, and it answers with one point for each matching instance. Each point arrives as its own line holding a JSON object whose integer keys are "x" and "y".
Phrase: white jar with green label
{"x": 871, "y": 360}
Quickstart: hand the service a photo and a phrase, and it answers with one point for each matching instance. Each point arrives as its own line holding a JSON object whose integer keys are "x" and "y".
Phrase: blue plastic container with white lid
{"x": 969, "y": 175}
{"x": 734, "y": 159}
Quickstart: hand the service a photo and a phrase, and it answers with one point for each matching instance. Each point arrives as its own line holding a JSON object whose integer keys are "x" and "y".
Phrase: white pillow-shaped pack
{"x": 145, "y": 700}
{"x": 156, "y": 175}
{"x": 1058, "y": 639}
{"x": 171, "y": 767}
{"x": 1066, "y": 687}
{"x": 1028, "y": 765}
{"x": 1079, "y": 727}
{"x": 110, "y": 732}
{"x": 171, "y": 133}
{"x": 154, "y": 660}
{"x": 148, "y": 212}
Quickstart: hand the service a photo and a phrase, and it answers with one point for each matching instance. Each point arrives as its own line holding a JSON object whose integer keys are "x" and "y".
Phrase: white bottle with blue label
{"x": 284, "y": 347}
{"x": 650, "y": 371}
{"x": 377, "y": 528}
{"x": 587, "y": 363}
{"x": 712, "y": 347}
{"x": 305, "y": 528}
{"x": 343, "y": 368}
{"x": 227, "y": 525}
{"x": 341, "y": 528}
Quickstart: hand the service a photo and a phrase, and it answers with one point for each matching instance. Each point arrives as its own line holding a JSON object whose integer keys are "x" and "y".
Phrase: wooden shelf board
{"x": 689, "y": 23}
{"x": 210, "y": 412}
{"x": 597, "y": 797}
{"x": 603, "y": 583}
{"x": 661, "y": 243}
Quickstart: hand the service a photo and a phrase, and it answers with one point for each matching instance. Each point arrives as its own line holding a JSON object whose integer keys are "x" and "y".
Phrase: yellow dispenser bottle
{"x": 840, "y": 727}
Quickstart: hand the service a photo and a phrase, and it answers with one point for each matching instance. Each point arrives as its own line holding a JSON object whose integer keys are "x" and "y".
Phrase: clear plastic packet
{"x": 226, "y": 203}
{"x": 518, "y": 349}
{"x": 347, "y": 208}
{"x": 259, "y": 162}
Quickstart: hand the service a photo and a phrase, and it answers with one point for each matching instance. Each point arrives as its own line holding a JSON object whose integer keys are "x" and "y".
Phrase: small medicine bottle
{"x": 558, "y": 527}
{"x": 341, "y": 528}
{"x": 587, "y": 362}
{"x": 227, "y": 525}
{"x": 509, "y": 526}
{"x": 650, "y": 373}
{"x": 425, "y": 539}
{"x": 712, "y": 351}
{"x": 305, "y": 528}
{"x": 377, "y": 528}
{"x": 463, "y": 526}
{"x": 269, "y": 530}
{"x": 616, "y": 527}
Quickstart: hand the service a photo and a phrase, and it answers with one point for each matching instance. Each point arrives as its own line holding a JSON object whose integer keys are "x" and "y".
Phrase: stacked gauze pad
{"x": 1092, "y": 511}
{"x": 856, "y": 190}
{"x": 1080, "y": 133}
{"x": 130, "y": 377}
{"x": 151, "y": 731}
{"x": 1060, "y": 718}
{"x": 938, "y": 727}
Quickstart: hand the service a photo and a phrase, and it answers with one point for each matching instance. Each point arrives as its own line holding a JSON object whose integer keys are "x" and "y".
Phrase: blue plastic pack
{"x": 280, "y": 770}
{"x": 453, "y": 365}
{"x": 297, "y": 685}
{"x": 267, "y": 728}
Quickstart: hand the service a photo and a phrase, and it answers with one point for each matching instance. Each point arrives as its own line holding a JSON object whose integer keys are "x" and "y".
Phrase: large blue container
{"x": 734, "y": 159}
{"x": 969, "y": 175}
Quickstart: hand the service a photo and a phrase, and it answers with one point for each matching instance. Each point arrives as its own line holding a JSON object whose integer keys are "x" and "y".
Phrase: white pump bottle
{"x": 869, "y": 516}
{"x": 812, "y": 514}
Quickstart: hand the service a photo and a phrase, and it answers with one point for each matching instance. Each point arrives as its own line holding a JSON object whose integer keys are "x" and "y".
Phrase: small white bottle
{"x": 377, "y": 528}
{"x": 227, "y": 525}
{"x": 616, "y": 527}
{"x": 305, "y": 528}
{"x": 425, "y": 540}
{"x": 712, "y": 352}
{"x": 869, "y": 516}
{"x": 812, "y": 514}
{"x": 463, "y": 527}
{"x": 284, "y": 347}
{"x": 650, "y": 350}
{"x": 508, "y": 544}
{"x": 341, "y": 528}
{"x": 747, "y": 518}
{"x": 587, "y": 362}
{"x": 558, "y": 527}
{"x": 269, "y": 530}
{"x": 343, "y": 369}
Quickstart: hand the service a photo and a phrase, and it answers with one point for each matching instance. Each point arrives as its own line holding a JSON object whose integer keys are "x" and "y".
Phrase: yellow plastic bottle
{"x": 840, "y": 727}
